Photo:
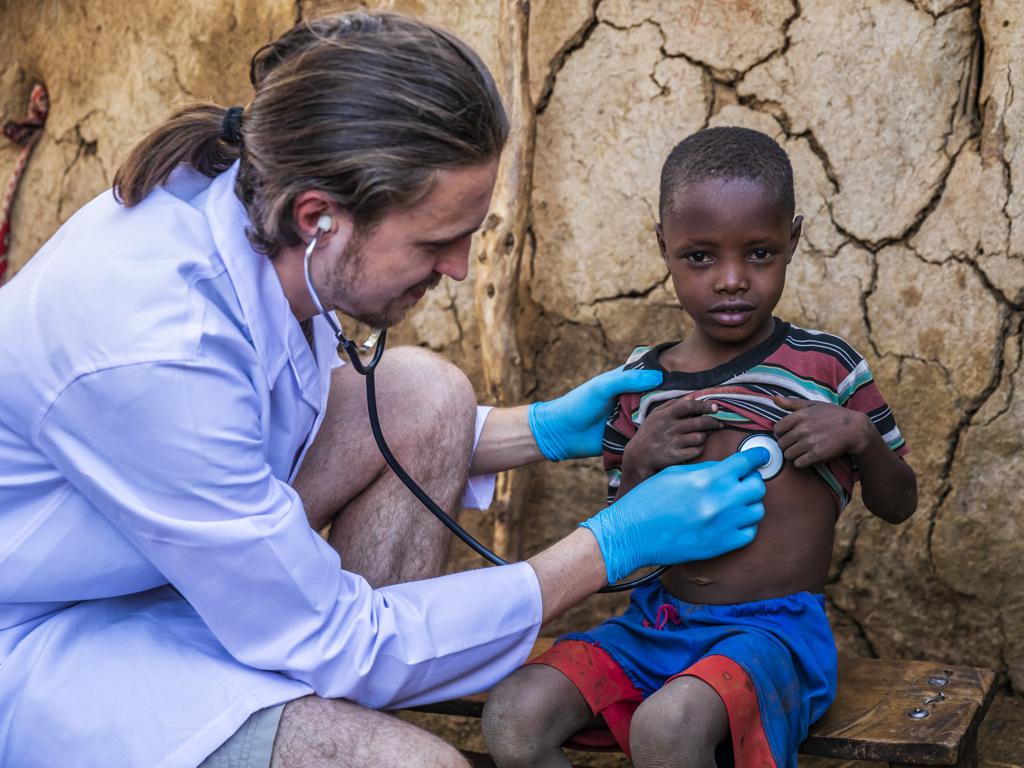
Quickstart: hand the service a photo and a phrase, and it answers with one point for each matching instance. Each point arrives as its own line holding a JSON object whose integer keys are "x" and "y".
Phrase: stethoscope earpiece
{"x": 775, "y": 457}
{"x": 377, "y": 337}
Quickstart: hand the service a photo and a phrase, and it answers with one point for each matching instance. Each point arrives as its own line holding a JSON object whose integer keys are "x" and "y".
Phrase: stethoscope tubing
{"x": 377, "y": 341}
{"x": 460, "y": 532}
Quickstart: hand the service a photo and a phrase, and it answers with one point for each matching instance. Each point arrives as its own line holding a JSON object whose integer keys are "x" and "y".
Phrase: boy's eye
{"x": 697, "y": 257}
{"x": 760, "y": 254}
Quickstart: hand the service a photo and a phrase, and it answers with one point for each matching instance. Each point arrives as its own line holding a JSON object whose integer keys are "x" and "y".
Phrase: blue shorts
{"x": 773, "y": 662}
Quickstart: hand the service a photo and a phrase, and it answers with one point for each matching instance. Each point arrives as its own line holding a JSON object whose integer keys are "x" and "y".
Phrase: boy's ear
{"x": 794, "y": 236}
{"x": 661, "y": 241}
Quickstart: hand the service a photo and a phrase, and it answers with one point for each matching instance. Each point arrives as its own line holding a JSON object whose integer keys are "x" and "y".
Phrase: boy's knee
{"x": 681, "y": 729}
{"x": 516, "y": 720}
{"x": 504, "y": 723}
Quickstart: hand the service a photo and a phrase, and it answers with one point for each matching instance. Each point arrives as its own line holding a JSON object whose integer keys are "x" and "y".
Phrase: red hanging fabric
{"x": 25, "y": 134}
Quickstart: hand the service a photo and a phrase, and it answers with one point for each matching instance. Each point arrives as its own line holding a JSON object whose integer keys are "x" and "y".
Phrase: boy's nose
{"x": 731, "y": 279}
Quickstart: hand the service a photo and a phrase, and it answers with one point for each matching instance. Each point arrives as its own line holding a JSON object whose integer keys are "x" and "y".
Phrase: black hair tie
{"x": 231, "y": 126}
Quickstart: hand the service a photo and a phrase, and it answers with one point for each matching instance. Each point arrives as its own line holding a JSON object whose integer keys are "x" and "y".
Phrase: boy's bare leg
{"x": 530, "y": 714}
{"x": 679, "y": 726}
{"x": 427, "y": 412}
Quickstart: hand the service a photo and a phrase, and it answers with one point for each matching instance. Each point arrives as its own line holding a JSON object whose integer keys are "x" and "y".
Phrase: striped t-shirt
{"x": 793, "y": 362}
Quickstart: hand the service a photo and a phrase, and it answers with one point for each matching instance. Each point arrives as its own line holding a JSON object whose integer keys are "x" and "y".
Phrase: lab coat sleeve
{"x": 479, "y": 491}
{"x": 172, "y": 454}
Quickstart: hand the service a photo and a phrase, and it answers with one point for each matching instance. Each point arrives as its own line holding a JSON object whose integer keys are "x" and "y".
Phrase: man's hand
{"x": 693, "y": 512}
{"x": 671, "y": 434}
{"x": 572, "y": 426}
{"x": 817, "y": 432}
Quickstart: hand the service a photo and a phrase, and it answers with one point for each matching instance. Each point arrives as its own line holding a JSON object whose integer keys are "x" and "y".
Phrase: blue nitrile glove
{"x": 683, "y": 513}
{"x": 572, "y": 426}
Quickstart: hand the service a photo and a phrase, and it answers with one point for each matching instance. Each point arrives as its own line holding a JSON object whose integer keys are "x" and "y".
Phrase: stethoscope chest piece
{"x": 775, "y": 460}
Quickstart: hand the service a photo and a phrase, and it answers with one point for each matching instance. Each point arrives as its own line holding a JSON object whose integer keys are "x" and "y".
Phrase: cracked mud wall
{"x": 906, "y": 134}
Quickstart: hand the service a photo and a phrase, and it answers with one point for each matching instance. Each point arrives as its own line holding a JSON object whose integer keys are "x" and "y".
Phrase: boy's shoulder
{"x": 819, "y": 362}
{"x": 822, "y": 344}
{"x": 635, "y": 359}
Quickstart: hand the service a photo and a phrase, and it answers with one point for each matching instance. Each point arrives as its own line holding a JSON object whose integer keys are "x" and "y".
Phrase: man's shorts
{"x": 773, "y": 662}
{"x": 252, "y": 745}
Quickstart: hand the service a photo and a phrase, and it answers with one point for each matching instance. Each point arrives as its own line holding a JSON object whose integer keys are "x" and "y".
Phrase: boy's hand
{"x": 816, "y": 432}
{"x": 672, "y": 434}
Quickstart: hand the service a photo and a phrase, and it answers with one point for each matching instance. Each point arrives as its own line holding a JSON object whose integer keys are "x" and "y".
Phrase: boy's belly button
{"x": 797, "y": 504}
{"x": 703, "y": 581}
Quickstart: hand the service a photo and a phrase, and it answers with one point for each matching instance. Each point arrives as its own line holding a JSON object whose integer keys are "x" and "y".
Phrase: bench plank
{"x": 868, "y": 720}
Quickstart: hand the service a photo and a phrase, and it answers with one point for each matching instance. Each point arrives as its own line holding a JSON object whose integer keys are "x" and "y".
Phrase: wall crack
{"x": 558, "y": 62}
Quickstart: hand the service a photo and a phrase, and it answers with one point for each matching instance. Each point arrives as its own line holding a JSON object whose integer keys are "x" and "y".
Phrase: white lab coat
{"x": 158, "y": 579}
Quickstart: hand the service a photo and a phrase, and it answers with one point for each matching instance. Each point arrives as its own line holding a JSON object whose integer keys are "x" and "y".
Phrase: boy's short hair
{"x": 727, "y": 153}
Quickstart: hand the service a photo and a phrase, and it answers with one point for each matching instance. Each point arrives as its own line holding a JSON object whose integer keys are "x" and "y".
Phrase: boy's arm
{"x": 888, "y": 484}
{"x": 818, "y": 432}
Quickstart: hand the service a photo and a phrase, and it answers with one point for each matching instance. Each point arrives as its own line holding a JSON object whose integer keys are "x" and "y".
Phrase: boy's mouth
{"x": 731, "y": 312}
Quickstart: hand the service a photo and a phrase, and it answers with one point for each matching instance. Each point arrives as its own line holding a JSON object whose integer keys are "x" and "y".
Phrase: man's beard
{"x": 345, "y": 276}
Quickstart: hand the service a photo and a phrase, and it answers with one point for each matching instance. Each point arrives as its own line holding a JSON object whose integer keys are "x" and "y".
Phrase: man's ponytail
{"x": 366, "y": 107}
{"x": 194, "y": 135}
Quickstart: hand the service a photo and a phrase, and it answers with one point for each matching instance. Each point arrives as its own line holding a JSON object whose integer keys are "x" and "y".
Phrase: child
{"x": 733, "y": 657}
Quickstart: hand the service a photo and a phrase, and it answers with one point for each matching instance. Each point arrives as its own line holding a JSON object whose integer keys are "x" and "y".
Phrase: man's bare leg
{"x": 427, "y": 412}
{"x": 333, "y": 733}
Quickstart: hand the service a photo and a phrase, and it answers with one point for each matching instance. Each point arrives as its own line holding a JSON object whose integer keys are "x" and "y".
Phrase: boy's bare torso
{"x": 792, "y": 550}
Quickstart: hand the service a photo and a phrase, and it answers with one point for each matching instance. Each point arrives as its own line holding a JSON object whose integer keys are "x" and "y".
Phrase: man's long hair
{"x": 363, "y": 106}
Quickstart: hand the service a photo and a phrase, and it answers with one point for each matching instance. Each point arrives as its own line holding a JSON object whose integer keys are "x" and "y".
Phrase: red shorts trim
{"x": 610, "y": 693}
{"x": 605, "y": 687}
{"x": 750, "y": 746}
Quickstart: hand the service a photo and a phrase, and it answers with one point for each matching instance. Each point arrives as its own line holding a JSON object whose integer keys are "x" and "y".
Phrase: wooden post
{"x": 501, "y": 251}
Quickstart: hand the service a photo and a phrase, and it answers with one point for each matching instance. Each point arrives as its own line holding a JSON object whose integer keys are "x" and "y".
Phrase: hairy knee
{"x": 448, "y": 756}
{"x": 430, "y": 385}
{"x": 331, "y": 733}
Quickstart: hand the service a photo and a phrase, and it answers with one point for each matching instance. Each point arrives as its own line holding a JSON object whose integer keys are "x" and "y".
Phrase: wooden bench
{"x": 891, "y": 711}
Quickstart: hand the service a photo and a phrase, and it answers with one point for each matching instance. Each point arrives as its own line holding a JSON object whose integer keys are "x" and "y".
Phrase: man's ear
{"x": 310, "y": 206}
{"x": 659, "y": 233}
{"x": 794, "y": 236}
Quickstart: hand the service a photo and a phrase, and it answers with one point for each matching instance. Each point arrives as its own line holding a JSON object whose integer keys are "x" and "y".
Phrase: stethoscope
{"x": 376, "y": 341}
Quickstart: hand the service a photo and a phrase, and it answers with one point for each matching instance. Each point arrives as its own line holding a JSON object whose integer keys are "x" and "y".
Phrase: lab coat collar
{"x": 276, "y": 332}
